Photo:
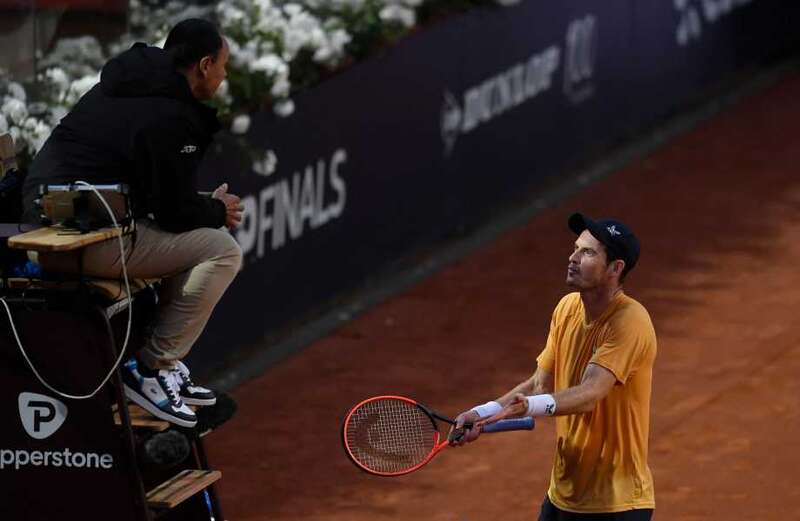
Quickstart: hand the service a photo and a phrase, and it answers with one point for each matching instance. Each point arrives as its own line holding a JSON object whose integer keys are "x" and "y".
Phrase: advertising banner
{"x": 60, "y": 458}
{"x": 429, "y": 136}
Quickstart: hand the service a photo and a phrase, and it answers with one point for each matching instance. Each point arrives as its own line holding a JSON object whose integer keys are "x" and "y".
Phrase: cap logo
{"x": 613, "y": 230}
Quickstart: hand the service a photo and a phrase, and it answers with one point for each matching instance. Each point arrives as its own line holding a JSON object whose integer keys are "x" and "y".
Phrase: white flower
{"x": 37, "y": 133}
{"x": 229, "y": 14}
{"x": 266, "y": 165}
{"x": 81, "y": 87}
{"x": 58, "y": 77}
{"x": 333, "y": 48}
{"x": 241, "y": 124}
{"x": 293, "y": 9}
{"x": 14, "y": 131}
{"x": 271, "y": 65}
{"x": 77, "y": 56}
{"x": 281, "y": 87}
{"x": 339, "y": 38}
{"x": 57, "y": 113}
{"x": 16, "y": 91}
{"x": 243, "y": 56}
{"x": 15, "y": 110}
{"x": 284, "y": 108}
{"x": 223, "y": 93}
{"x": 397, "y": 13}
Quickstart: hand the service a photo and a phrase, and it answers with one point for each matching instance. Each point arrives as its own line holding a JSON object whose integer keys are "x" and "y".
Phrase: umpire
{"x": 595, "y": 374}
{"x": 145, "y": 124}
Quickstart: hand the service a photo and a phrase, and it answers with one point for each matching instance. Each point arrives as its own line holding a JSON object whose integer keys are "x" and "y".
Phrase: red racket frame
{"x": 437, "y": 445}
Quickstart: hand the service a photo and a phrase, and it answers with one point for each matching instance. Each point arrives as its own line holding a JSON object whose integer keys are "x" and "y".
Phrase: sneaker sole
{"x": 198, "y": 401}
{"x": 147, "y": 405}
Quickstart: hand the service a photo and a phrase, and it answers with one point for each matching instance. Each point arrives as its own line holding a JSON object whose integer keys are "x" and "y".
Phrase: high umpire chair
{"x": 95, "y": 458}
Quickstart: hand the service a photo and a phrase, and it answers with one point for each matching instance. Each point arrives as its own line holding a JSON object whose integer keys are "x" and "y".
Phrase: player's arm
{"x": 540, "y": 383}
{"x": 595, "y": 385}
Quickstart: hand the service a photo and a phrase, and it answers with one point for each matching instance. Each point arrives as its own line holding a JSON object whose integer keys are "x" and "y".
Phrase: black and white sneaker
{"x": 157, "y": 392}
{"x": 190, "y": 392}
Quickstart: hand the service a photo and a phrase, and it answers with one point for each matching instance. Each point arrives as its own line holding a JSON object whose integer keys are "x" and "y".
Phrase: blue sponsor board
{"x": 430, "y": 135}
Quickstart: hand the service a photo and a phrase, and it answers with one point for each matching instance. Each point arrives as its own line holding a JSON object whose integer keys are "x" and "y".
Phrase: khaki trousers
{"x": 196, "y": 267}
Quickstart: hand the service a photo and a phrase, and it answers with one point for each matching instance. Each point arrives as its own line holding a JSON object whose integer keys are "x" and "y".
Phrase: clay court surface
{"x": 718, "y": 214}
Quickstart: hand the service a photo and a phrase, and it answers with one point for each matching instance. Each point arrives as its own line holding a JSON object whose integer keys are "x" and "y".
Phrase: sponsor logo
{"x": 285, "y": 210}
{"x": 497, "y": 95}
{"x": 549, "y": 409}
{"x": 54, "y": 458}
{"x": 41, "y": 415}
{"x": 188, "y": 149}
{"x": 508, "y": 89}
{"x": 613, "y": 230}
{"x": 692, "y": 14}
{"x": 580, "y": 57}
{"x": 451, "y": 121}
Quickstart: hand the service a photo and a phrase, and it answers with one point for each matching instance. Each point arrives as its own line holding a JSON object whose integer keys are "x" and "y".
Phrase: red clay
{"x": 718, "y": 213}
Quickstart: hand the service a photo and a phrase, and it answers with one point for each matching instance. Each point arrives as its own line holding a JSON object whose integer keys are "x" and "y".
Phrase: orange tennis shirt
{"x": 601, "y": 457}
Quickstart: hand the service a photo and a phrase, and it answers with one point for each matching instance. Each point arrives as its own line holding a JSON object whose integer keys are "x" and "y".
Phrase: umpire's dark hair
{"x": 191, "y": 40}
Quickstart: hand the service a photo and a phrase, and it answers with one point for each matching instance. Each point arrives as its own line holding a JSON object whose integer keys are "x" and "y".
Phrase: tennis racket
{"x": 394, "y": 435}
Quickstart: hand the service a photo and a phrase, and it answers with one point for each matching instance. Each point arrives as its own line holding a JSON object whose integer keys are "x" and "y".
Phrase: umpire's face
{"x": 212, "y": 71}
{"x": 588, "y": 265}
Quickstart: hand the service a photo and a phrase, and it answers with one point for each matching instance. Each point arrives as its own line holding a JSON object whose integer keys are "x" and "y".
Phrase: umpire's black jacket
{"x": 142, "y": 126}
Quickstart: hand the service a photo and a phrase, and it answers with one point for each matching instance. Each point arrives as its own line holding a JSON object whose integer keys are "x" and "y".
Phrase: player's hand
{"x": 459, "y": 435}
{"x": 516, "y": 409}
{"x": 233, "y": 206}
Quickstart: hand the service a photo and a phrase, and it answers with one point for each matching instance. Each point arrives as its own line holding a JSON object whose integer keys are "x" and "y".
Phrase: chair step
{"x": 140, "y": 419}
{"x": 184, "y": 485}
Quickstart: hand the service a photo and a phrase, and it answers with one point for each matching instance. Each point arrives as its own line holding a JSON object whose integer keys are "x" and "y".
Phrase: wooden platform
{"x": 141, "y": 419}
{"x": 174, "y": 491}
{"x": 56, "y": 238}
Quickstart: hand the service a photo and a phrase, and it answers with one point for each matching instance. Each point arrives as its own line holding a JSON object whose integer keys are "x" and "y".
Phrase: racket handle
{"x": 516, "y": 424}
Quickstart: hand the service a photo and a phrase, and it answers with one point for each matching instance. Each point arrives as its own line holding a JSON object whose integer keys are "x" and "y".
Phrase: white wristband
{"x": 541, "y": 405}
{"x": 487, "y": 409}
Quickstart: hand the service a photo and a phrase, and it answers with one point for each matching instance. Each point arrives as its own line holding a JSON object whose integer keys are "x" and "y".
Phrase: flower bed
{"x": 276, "y": 50}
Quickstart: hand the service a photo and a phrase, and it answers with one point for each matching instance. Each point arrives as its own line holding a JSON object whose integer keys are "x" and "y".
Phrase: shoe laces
{"x": 172, "y": 385}
{"x": 182, "y": 377}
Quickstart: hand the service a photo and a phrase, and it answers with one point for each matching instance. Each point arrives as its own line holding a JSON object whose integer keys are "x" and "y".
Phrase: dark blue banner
{"x": 455, "y": 120}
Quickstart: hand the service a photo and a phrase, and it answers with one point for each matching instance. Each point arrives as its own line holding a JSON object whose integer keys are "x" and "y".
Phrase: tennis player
{"x": 595, "y": 376}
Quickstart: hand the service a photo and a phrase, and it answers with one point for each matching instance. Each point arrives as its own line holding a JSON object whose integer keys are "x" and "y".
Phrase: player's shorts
{"x": 550, "y": 512}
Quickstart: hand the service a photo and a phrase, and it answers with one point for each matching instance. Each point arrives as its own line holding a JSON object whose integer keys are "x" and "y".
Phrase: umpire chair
{"x": 64, "y": 454}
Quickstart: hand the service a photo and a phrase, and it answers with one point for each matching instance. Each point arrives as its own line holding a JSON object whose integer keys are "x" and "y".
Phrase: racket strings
{"x": 389, "y": 436}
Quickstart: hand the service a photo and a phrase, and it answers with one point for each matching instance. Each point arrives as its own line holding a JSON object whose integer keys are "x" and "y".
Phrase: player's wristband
{"x": 487, "y": 409}
{"x": 541, "y": 405}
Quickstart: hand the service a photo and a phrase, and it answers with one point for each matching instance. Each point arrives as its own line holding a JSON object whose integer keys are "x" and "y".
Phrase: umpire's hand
{"x": 459, "y": 435}
{"x": 233, "y": 206}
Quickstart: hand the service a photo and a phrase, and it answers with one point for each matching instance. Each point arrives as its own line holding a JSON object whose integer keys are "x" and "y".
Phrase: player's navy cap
{"x": 617, "y": 237}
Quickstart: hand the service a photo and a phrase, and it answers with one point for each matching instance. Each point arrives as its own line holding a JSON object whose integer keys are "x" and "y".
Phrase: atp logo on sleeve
{"x": 188, "y": 149}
